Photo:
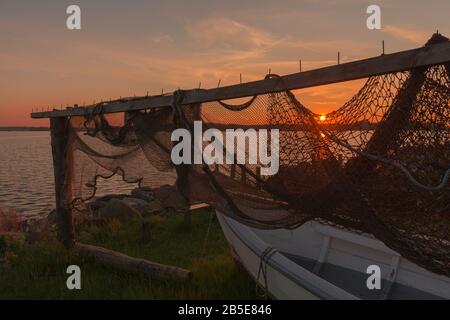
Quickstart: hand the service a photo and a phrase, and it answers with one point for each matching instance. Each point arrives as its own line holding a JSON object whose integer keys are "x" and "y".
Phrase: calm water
{"x": 26, "y": 173}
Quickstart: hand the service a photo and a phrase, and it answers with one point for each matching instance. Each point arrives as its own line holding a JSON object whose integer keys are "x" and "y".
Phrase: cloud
{"x": 229, "y": 34}
{"x": 162, "y": 38}
{"x": 406, "y": 34}
{"x": 79, "y": 69}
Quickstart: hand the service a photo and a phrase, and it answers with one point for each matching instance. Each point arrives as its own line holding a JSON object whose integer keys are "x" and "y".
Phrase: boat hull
{"x": 317, "y": 261}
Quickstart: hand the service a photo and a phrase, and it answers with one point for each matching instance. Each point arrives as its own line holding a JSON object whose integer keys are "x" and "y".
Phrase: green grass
{"x": 38, "y": 271}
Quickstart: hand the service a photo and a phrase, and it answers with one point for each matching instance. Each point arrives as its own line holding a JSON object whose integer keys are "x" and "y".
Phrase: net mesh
{"x": 379, "y": 164}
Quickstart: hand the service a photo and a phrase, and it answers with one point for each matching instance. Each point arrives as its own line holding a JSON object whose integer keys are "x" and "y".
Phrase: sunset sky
{"x": 127, "y": 48}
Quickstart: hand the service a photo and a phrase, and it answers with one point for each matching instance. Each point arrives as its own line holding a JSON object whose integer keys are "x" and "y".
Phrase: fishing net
{"x": 379, "y": 164}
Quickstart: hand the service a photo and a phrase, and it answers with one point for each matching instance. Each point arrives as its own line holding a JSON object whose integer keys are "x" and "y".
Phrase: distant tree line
{"x": 24, "y": 129}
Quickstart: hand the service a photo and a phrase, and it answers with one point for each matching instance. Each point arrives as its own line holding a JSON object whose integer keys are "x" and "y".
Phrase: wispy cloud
{"x": 416, "y": 37}
{"x": 162, "y": 38}
{"x": 226, "y": 33}
{"x": 220, "y": 49}
{"x": 42, "y": 63}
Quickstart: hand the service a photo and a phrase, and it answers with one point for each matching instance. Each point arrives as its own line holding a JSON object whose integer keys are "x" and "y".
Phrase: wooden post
{"x": 59, "y": 140}
{"x": 258, "y": 177}
{"x": 233, "y": 171}
{"x": 243, "y": 174}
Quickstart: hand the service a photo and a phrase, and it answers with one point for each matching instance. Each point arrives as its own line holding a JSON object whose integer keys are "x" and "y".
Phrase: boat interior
{"x": 342, "y": 257}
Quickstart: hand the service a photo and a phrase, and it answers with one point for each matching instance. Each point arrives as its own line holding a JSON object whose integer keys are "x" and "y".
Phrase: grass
{"x": 38, "y": 271}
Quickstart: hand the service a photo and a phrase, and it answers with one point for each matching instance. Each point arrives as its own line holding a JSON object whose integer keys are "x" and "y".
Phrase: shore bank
{"x": 38, "y": 270}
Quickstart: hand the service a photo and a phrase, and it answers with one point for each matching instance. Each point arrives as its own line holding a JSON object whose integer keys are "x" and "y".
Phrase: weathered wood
{"x": 387, "y": 63}
{"x": 198, "y": 205}
{"x": 243, "y": 174}
{"x": 121, "y": 261}
{"x": 233, "y": 171}
{"x": 258, "y": 177}
{"x": 59, "y": 141}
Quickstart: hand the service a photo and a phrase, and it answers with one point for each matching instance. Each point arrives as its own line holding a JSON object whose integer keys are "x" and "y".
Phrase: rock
{"x": 96, "y": 205}
{"x": 108, "y": 197}
{"x": 118, "y": 209}
{"x": 135, "y": 202}
{"x": 143, "y": 193}
{"x": 170, "y": 197}
{"x": 51, "y": 217}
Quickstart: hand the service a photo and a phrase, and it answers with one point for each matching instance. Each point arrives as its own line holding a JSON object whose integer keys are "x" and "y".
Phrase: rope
{"x": 205, "y": 240}
{"x": 395, "y": 164}
{"x": 264, "y": 259}
{"x": 238, "y": 107}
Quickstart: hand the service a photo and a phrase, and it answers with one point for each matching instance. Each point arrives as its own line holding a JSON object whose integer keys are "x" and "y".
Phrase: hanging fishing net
{"x": 378, "y": 165}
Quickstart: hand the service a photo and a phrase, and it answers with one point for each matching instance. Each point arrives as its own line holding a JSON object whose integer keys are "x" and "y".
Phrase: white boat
{"x": 317, "y": 261}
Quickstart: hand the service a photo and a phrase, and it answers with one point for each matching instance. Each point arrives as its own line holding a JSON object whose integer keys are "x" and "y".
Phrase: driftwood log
{"x": 121, "y": 261}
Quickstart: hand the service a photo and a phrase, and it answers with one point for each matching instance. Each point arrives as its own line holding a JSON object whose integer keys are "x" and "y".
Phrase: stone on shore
{"x": 145, "y": 194}
{"x": 136, "y": 202}
{"x": 170, "y": 197}
{"x": 51, "y": 217}
{"x": 120, "y": 210}
{"x": 96, "y": 205}
{"x": 108, "y": 197}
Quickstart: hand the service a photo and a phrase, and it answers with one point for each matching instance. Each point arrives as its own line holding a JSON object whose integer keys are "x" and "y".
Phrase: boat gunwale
{"x": 277, "y": 266}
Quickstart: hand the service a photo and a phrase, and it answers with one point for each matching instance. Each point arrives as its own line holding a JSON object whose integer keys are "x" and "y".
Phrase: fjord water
{"x": 26, "y": 173}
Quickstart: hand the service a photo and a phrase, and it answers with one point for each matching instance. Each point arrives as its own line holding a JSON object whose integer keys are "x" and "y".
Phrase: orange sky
{"x": 135, "y": 47}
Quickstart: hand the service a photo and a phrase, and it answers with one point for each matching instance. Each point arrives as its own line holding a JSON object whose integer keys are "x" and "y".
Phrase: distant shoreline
{"x": 24, "y": 129}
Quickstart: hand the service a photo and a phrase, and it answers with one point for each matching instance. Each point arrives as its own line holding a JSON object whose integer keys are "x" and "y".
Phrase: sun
{"x": 322, "y": 118}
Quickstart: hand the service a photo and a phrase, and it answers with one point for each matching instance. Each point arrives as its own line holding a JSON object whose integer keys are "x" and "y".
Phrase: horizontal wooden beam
{"x": 396, "y": 62}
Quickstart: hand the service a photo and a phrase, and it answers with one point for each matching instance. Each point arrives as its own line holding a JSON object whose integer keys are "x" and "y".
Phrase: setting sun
{"x": 322, "y": 118}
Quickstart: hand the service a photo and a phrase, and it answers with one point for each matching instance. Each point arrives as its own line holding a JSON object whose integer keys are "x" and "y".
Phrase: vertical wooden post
{"x": 233, "y": 171}
{"x": 258, "y": 177}
{"x": 243, "y": 174}
{"x": 59, "y": 137}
